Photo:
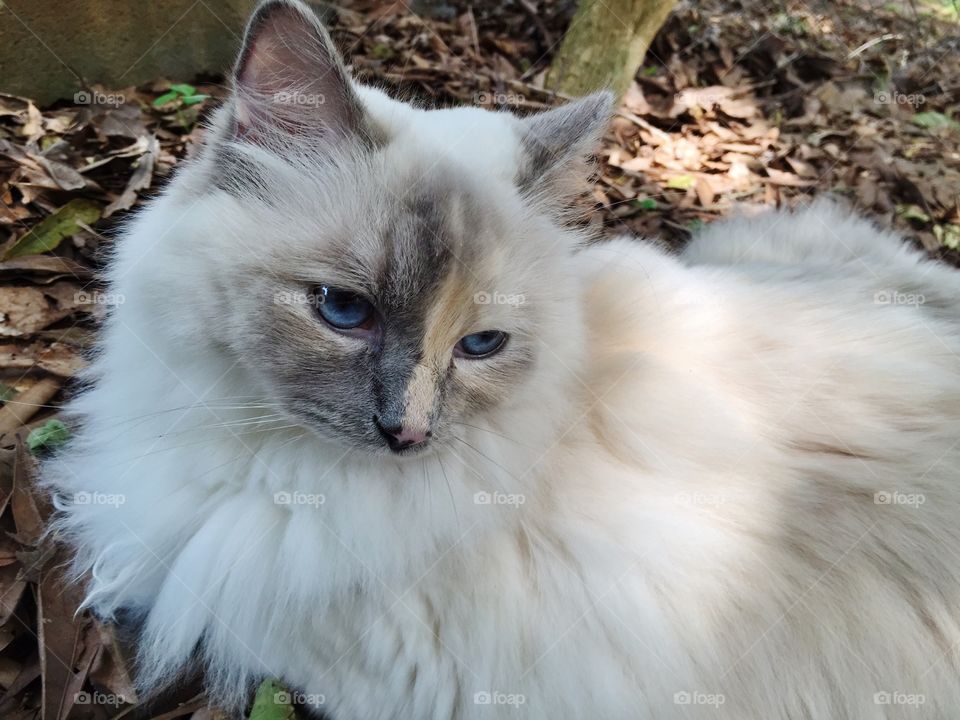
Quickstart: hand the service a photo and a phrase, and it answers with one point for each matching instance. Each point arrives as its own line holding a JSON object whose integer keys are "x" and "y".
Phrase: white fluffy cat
{"x": 370, "y": 419}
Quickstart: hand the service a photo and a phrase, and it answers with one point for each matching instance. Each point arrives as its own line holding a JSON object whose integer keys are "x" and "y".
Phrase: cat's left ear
{"x": 290, "y": 80}
{"x": 557, "y": 143}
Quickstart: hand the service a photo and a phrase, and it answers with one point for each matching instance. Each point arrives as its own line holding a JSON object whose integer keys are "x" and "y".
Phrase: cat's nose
{"x": 399, "y": 437}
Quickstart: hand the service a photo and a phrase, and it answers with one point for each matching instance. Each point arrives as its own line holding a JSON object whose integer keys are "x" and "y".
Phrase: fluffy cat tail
{"x": 827, "y": 238}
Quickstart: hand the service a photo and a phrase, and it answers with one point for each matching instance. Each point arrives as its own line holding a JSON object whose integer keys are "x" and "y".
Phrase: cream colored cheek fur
{"x": 675, "y": 516}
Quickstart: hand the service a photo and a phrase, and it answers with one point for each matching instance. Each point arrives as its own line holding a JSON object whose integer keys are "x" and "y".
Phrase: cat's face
{"x": 401, "y": 274}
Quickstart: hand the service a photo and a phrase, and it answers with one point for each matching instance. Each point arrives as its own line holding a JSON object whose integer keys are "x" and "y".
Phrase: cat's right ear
{"x": 557, "y": 145}
{"x": 290, "y": 81}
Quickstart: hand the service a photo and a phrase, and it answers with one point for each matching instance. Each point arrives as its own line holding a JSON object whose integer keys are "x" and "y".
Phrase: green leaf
{"x": 7, "y": 393}
{"x": 646, "y": 204}
{"x": 272, "y": 702}
{"x": 681, "y": 182}
{"x": 164, "y": 99}
{"x": 48, "y": 436}
{"x": 50, "y": 232}
{"x": 948, "y": 235}
{"x": 912, "y": 212}
{"x": 194, "y": 99}
{"x": 382, "y": 51}
{"x": 183, "y": 89}
{"x": 933, "y": 120}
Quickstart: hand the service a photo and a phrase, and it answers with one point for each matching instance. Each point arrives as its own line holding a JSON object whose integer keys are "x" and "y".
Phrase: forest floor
{"x": 739, "y": 104}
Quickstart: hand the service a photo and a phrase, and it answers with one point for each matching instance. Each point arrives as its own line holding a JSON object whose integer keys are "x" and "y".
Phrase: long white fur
{"x": 697, "y": 457}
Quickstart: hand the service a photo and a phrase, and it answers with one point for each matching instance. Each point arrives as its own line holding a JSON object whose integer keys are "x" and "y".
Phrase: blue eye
{"x": 481, "y": 344}
{"x": 343, "y": 309}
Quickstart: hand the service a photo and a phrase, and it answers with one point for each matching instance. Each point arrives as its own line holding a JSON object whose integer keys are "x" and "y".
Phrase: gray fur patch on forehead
{"x": 417, "y": 251}
{"x": 424, "y": 238}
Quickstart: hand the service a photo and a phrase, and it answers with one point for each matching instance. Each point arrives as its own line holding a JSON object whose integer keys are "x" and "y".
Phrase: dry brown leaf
{"x": 57, "y": 358}
{"x": 110, "y": 668}
{"x": 140, "y": 179}
{"x": 45, "y": 264}
{"x": 59, "y": 123}
{"x": 9, "y": 672}
{"x": 29, "y": 673}
{"x": 27, "y": 403}
{"x": 705, "y": 190}
{"x": 32, "y": 129}
{"x": 11, "y": 105}
{"x": 64, "y": 642}
{"x": 12, "y": 587}
{"x": 779, "y": 177}
{"x": 64, "y": 176}
{"x": 26, "y": 309}
{"x": 27, "y": 517}
{"x": 60, "y": 359}
{"x": 125, "y": 121}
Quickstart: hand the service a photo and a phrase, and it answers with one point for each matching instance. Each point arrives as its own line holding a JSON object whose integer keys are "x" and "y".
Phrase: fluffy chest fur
{"x": 706, "y": 523}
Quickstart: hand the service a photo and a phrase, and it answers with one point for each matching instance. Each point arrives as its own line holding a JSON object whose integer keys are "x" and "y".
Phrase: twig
{"x": 474, "y": 35}
{"x": 870, "y": 43}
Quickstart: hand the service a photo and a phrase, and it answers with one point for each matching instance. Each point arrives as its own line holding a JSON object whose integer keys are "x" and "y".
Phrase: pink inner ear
{"x": 290, "y": 79}
{"x": 278, "y": 57}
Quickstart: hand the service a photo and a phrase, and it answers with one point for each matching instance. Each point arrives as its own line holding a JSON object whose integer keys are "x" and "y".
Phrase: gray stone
{"x": 51, "y": 49}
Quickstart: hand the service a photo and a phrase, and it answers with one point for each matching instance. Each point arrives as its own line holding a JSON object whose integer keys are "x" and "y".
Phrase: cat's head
{"x": 385, "y": 272}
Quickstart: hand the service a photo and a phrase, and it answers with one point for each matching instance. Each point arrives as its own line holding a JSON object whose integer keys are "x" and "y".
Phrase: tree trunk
{"x": 605, "y": 45}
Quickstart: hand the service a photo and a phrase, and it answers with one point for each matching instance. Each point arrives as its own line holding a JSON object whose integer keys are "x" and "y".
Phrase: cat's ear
{"x": 290, "y": 80}
{"x": 557, "y": 143}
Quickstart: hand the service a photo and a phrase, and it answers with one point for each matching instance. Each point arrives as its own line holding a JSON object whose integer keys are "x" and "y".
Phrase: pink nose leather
{"x": 400, "y": 438}
{"x": 410, "y": 437}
